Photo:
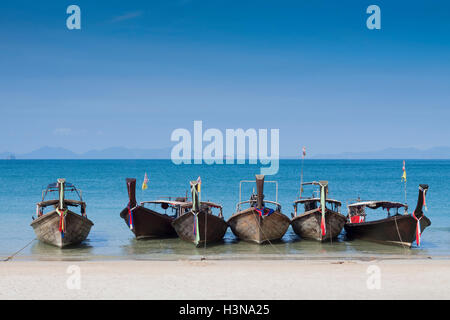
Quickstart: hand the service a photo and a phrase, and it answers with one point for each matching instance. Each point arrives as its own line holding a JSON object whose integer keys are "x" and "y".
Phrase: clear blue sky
{"x": 139, "y": 69}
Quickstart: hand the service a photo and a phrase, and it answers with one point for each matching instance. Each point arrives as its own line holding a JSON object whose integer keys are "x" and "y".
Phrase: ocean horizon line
{"x": 284, "y": 159}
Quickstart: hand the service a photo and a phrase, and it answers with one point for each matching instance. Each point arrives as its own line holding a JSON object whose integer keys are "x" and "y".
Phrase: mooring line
{"x": 15, "y": 253}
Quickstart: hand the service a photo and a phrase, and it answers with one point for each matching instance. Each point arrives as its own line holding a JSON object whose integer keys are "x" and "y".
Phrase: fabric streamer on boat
{"x": 62, "y": 220}
{"x": 195, "y": 228}
{"x": 130, "y": 216}
{"x": 323, "y": 210}
{"x": 262, "y": 212}
{"x": 194, "y": 203}
{"x": 424, "y": 199}
{"x": 418, "y": 232}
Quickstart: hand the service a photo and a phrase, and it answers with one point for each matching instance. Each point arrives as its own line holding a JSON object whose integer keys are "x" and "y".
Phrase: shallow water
{"x": 104, "y": 190}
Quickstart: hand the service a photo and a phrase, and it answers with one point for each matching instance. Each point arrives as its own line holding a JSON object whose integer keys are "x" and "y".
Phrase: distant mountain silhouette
{"x": 392, "y": 153}
{"x": 109, "y": 153}
{"x": 164, "y": 153}
{"x": 48, "y": 153}
{"x": 126, "y": 153}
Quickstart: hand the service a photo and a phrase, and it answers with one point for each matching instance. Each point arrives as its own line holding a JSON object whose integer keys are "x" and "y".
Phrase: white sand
{"x": 399, "y": 279}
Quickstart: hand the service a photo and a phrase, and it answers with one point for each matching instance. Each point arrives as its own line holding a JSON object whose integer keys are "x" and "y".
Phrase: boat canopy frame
{"x": 252, "y": 201}
{"x": 335, "y": 204}
{"x": 53, "y": 187}
{"x": 358, "y": 208}
{"x": 182, "y": 206}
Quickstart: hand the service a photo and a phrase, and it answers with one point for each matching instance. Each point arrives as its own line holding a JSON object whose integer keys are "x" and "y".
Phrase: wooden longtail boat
{"x": 399, "y": 229}
{"x": 258, "y": 223}
{"x": 145, "y": 222}
{"x": 196, "y": 222}
{"x": 61, "y": 227}
{"x": 321, "y": 219}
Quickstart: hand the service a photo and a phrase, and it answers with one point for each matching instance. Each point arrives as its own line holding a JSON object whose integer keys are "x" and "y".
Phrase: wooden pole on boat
{"x": 195, "y": 210}
{"x": 404, "y": 178}
{"x": 301, "y": 172}
{"x": 260, "y": 190}
{"x": 195, "y": 197}
{"x": 61, "y": 183}
{"x": 131, "y": 187}
{"x": 405, "y": 194}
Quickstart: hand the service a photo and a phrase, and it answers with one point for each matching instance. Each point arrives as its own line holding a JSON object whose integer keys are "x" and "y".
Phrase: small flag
{"x": 144, "y": 184}
{"x": 199, "y": 181}
{"x": 404, "y": 172}
{"x": 303, "y": 152}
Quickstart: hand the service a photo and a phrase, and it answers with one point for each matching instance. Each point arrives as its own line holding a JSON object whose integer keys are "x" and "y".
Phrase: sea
{"x": 104, "y": 190}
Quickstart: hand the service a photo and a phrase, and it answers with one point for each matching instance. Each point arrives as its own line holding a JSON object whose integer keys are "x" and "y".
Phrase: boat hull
{"x": 211, "y": 228}
{"x": 395, "y": 230}
{"x": 149, "y": 224}
{"x": 247, "y": 225}
{"x": 307, "y": 225}
{"x": 46, "y": 229}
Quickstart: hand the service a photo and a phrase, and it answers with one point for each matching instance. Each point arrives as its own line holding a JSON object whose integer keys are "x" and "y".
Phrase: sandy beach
{"x": 269, "y": 279}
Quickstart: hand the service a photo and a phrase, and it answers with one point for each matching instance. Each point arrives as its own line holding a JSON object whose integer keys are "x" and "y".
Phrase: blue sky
{"x": 137, "y": 70}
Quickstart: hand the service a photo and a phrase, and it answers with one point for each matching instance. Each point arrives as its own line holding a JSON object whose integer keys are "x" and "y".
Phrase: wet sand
{"x": 266, "y": 279}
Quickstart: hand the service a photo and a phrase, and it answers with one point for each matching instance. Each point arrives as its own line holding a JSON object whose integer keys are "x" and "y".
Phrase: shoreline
{"x": 228, "y": 257}
{"x": 230, "y": 279}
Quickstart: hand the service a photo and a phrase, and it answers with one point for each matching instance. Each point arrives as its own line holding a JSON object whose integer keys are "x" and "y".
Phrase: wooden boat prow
{"x": 197, "y": 224}
{"x": 254, "y": 225}
{"x": 47, "y": 227}
{"x": 145, "y": 222}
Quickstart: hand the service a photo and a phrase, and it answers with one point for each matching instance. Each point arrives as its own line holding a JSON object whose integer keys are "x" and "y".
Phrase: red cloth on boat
{"x": 357, "y": 219}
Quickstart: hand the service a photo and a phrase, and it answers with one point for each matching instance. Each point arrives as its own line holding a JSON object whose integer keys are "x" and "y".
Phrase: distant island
{"x": 391, "y": 153}
{"x": 108, "y": 153}
{"x": 164, "y": 153}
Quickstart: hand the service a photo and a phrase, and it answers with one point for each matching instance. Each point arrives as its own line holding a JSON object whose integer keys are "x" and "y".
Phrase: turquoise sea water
{"x": 104, "y": 190}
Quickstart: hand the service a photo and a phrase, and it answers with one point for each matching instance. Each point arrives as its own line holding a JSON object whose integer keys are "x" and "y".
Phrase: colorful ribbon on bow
{"x": 130, "y": 217}
{"x": 262, "y": 212}
{"x": 418, "y": 231}
{"x": 323, "y": 210}
{"x": 195, "y": 228}
{"x": 62, "y": 221}
{"x": 195, "y": 194}
{"x": 323, "y": 228}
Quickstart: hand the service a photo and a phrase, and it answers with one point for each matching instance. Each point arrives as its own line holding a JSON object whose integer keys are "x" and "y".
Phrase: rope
{"x": 329, "y": 228}
{"x": 204, "y": 244}
{"x": 398, "y": 232}
{"x": 258, "y": 224}
{"x": 15, "y": 253}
